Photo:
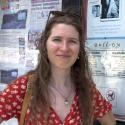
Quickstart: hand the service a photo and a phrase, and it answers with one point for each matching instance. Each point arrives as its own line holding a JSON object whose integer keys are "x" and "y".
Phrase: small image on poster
{"x": 15, "y": 20}
{"x": 4, "y": 4}
{"x": 96, "y": 10}
{"x": 110, "y": 9}
{"x": 33, "y": 39}
{"x": 8, "y": 75}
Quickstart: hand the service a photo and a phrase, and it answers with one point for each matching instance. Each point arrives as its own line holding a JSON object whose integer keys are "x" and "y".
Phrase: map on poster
{"x": 106, "y": 49}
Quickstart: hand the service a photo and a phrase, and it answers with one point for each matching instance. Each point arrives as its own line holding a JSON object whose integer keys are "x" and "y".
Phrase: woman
{"x": 63, "y": 91}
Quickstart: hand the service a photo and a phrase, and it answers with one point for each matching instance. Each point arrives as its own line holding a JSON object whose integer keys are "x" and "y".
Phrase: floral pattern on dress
{"x": 12, "y": 98}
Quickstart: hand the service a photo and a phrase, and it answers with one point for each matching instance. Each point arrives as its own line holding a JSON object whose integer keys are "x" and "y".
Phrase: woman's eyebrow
{"x": 76, "y": 39}
{"x": 56, "y": 37}
{"x": 70, "y": 38}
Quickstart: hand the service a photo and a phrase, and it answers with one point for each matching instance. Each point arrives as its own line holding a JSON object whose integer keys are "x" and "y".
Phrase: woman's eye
{"x": 73, "y": 41}
{"x": 56, "y": 40}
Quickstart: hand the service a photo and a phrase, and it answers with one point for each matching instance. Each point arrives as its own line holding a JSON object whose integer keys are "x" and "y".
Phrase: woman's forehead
{"x": 64, "y": 29}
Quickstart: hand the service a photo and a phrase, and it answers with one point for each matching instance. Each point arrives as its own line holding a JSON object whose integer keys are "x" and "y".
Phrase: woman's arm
{"x": 107, "y": 119}
{"x": 11, "y": 99}
{"x": 103, "y": 110}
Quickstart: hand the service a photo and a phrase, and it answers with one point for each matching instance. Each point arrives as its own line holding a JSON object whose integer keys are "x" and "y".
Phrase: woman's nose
{"x": 64, "y": 46}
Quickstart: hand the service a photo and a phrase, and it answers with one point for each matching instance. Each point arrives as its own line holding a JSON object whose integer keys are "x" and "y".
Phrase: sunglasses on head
{"x": 61, "y": 13}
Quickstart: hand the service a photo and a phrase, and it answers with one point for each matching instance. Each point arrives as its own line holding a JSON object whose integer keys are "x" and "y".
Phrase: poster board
{"x": 106, "y": 50}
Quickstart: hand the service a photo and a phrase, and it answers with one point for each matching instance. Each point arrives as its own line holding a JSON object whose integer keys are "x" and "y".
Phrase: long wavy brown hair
{"x": 80, "y": 72}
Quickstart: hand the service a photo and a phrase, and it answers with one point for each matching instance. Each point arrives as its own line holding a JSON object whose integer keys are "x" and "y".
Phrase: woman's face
{"x": 63, "y": 46}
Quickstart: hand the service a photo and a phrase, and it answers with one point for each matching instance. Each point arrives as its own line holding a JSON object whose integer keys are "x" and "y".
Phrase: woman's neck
{"x": 61, "y": 77}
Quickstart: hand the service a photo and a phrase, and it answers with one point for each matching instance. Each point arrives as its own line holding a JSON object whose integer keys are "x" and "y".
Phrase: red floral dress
{"x": 12, "y": 98}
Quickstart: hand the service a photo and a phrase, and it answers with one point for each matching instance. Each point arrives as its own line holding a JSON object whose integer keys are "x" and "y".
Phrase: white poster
{"x": 40, "y": 11}
{"x": 107, "y": 62}
{"x": 106, "y": 50}
{"x": 105, "y": 19}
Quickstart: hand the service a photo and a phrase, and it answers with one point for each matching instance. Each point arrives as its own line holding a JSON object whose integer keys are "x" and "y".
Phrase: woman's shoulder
{"x": 24, "y": 79}
{"x": 12, "y": 97}
{"x": 21, "y": 80}
{"x": 17, "y": 86}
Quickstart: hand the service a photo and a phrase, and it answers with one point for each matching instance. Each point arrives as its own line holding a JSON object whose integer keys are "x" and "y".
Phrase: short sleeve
{"x": 101, "y": 105}
{"x": 11, "y": 98}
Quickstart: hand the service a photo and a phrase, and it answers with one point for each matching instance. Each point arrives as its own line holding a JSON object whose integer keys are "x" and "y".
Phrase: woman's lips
{"x": 63, "y": 56}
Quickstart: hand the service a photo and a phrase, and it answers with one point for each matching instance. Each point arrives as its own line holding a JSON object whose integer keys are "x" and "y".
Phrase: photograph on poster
{"x": 21, "y": 41}
{"x": 96, "y": 10}
{"x": 15, "y": 20}
{"x": 33, "y": 39}
{"x": 110, "y": 95}
{"x": 110, "y": 10}
{"x": 8, "y": 75}
{"x": 4, "y": 4}
{"x": 21, "y": 50}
